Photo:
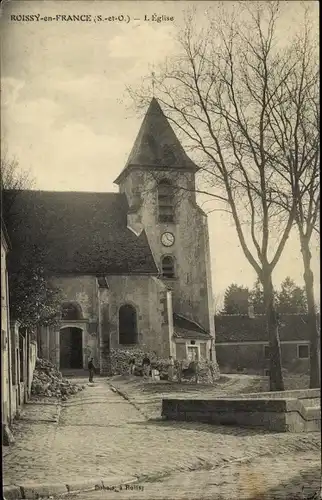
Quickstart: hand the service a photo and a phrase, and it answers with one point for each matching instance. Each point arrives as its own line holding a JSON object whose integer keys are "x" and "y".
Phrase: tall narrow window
{"x": 266, "y": 352}
{"x": 166, "y": 201}
{"x": 127, "y": 325}
{"x": 167, "y": 265}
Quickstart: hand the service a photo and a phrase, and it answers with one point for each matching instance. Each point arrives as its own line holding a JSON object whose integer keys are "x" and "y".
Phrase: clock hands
{"x": 167, "y": 239}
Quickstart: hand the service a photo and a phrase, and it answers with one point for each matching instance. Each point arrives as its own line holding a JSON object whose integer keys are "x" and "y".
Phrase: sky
{"x": 67, "y": 118}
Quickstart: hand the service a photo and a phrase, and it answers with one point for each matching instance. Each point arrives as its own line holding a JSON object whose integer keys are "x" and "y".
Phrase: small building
{"x": 192, "y": 342}
{"x": 242, "y": 344}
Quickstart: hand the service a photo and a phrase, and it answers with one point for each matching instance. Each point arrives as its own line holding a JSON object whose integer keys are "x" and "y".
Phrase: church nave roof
{"x": 79, "y": 232}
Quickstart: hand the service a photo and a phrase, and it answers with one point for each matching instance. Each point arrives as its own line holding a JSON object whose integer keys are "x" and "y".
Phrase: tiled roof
{"x": 187, "y": 329}
{"x": 79, "y": 233}
{"x": 156, "y": 144}
{"x": 235, "y": 328}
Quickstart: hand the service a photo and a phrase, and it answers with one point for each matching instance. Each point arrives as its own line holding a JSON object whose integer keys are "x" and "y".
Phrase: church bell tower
{"x": 159, "y": 182}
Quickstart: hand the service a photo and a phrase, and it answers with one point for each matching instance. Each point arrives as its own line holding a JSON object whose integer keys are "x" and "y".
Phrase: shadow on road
{"x": 304, "y": 486}
{"x": 203, "y": 427}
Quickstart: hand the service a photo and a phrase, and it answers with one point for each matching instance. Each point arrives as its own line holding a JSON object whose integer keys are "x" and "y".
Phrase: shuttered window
{"x": 166, "y": 201}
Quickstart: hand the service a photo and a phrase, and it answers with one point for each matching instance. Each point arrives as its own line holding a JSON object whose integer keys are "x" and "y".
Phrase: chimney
{"x": 251, "y": 313}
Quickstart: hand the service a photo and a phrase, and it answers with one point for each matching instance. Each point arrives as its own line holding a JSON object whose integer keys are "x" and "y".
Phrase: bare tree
{"x": 13, "y": 180}
{"x": 12, "y": 175}
{"x": 219, "y": 93}
{"x": 295, "y": 124}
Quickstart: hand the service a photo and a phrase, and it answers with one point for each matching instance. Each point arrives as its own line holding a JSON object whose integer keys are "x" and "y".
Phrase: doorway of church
{"x": 71, "y": 348}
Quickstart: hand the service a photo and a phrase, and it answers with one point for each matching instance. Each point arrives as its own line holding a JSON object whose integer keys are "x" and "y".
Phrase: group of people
{"x": 148, "y": 369}
{"x": 146, "y": 366}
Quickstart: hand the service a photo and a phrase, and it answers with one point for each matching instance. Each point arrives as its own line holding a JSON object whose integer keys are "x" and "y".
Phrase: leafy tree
{"x": 256, "y": 297}
{"x": 291, "y": 299}
{"x": 33, "y": 299}
{"x": 236, "y": 300}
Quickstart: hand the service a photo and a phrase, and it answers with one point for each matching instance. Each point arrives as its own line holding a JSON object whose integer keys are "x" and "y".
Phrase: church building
{"x": 133, "y": 266}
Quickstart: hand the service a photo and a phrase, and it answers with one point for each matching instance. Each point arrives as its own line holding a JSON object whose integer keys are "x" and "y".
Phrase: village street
{"x": 99, "y": 435}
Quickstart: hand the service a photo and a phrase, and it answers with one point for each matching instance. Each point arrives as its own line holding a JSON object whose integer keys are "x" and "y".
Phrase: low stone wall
{"x": 301, "y": 394}
{"x": 268, "y": 411}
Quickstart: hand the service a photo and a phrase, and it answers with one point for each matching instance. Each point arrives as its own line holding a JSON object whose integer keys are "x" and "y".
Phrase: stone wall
{"x": 100, "y": 311}
{"x": 82, "y": 290}
{"x": 148, "y": 296}
{"x": 5, "y": 335}
{"x": 21, "y": 365}
{"x": 275, "y": 412}
{"x": 181, "y": 351}
{"x": 250, "y": 357}
{"x": 31, "y": 363}
{"x": 15, "y": 369}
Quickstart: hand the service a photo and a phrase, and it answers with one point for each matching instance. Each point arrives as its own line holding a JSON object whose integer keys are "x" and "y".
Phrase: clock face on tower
{"x": 167, "y": 239}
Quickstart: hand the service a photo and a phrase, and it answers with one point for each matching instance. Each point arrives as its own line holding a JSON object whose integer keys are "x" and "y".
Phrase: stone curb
{"x": 37, "y": 491}
{"x": 136, "y": 406}
{"x": 127, "y": 398}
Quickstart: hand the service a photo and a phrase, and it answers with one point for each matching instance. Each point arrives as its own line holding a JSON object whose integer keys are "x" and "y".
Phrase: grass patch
{"x": 163, "y": 386}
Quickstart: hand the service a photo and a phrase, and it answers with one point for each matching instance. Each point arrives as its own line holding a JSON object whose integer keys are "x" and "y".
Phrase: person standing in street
{"x": 132, "y": 366}
{"x": 146, "y": 366}
{"x": 91, "y": 369}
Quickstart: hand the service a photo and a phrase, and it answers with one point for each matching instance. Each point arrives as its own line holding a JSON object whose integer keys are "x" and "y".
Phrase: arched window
{"x": 167, "y": 265}
{"x": 127, "y": 325}
{"x": 166, "y": 201}
{"x": 71, "y": 311}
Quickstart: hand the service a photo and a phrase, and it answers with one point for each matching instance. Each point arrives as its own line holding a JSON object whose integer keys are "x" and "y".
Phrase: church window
{"x": 71, "y": 311}
{"x": 102, "y": 282}
{"x": 167, "y": 267}
{"x": 166, "y": 201}
{"x": 127, "y": 325}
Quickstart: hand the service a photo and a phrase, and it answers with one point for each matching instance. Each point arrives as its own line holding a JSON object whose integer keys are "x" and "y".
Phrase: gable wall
{"x": 100, "y": 314}
{"x": 148, "y": 296}
{"x": 81, "y": 289}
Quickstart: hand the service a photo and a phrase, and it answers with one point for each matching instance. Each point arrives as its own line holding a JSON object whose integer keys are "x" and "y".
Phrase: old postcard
{"x": 160, "y": 199}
